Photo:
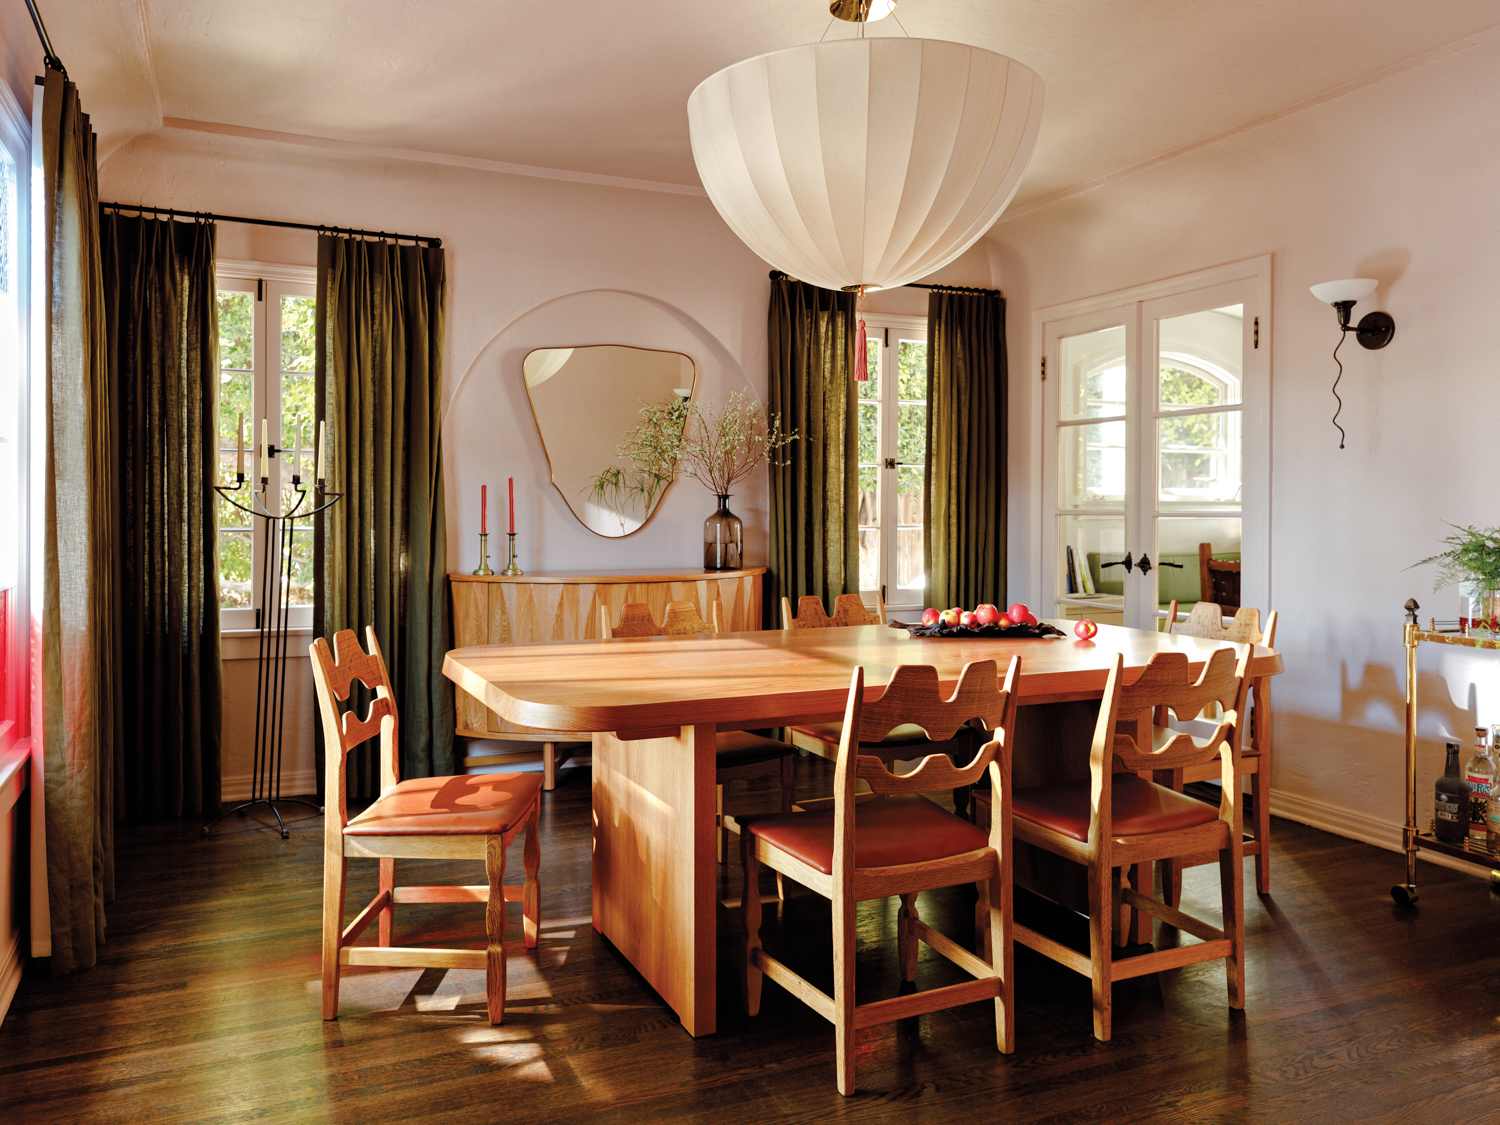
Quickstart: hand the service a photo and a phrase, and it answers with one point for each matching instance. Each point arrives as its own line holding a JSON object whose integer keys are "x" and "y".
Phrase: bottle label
{"x": 1479, "y": 805}
{"x": 1447, "y": 808}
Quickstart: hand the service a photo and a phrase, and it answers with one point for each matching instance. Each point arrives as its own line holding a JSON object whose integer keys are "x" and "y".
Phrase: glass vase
{"x": 1481, "y": 607}
{"x": 723, "y": 533}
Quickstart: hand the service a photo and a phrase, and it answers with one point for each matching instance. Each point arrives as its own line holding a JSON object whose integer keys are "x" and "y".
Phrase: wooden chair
{"x": 1207, "y": 621}
{"x": 1218, "y": 579}
{"x": 848, "y": 609}
{"x": 897, "y": 843}
{"x": 1115, "y": 820}
{"x": 904, "y": 742}
{"x": 473, "y": 816}
{"x": 742, "y": 756}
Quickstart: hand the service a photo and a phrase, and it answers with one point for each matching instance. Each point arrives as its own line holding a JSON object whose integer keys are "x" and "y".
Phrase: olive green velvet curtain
{"x": 814, "y": 497}
{"x": 162, "y": 335}
{"x": 78, "y": 739}
{"x": 964, "y": 526}
{"x": 380, "y": 552}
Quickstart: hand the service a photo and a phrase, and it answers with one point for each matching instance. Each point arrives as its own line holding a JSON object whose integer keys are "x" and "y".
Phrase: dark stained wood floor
{"x": 204, "y": 1008}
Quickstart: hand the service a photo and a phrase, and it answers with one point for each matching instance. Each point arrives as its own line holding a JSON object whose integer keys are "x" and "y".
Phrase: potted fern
{"x": 1473, "y": 561}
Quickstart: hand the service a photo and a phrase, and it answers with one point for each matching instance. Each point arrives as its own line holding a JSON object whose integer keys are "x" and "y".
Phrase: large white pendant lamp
{"x": 865, "y": 163}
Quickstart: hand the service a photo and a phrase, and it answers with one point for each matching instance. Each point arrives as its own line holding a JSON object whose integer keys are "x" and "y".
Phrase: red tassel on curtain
{"x": 861, "y": 363}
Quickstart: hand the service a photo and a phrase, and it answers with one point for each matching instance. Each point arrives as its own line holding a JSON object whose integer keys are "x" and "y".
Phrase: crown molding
{"x": 423, "y": 157}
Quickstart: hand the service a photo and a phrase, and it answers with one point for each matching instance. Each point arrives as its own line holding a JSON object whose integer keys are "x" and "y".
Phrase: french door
{"x": 1156, "y": 448}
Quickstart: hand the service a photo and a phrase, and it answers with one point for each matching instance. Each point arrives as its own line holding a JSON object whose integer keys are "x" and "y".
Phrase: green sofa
{"x": 1171, "y": 582}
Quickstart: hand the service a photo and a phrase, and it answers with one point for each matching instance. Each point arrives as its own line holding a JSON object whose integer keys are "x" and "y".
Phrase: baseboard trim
{"x": 238, "y": 787}
{"x": 1356, "y": 826}
{"x": 10, "y": 973}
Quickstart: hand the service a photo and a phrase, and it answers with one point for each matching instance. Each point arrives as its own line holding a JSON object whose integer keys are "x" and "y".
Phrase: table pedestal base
{"x": 653, "y": 887}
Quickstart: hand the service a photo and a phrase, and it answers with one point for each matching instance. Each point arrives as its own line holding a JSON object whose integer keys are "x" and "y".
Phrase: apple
{"x": 1018, "y": 611}
{"x": 1030, "y": 619}
{"x": 930, "y": 617}
{"x": 986, "y": 614}
{"x": 1085, "y": 630}
{"x": 1004, "y": 621}
{"x": 968, "y": 620}
{"x": 949, "y": 617}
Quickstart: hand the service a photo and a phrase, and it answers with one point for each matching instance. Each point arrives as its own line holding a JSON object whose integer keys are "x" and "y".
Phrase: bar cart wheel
{"x": 1405, "y": 894}
{"x": 1495, "y": 880}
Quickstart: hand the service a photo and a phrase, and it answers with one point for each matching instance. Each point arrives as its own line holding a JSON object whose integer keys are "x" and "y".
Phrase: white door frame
{"x": 1255, "y": 512}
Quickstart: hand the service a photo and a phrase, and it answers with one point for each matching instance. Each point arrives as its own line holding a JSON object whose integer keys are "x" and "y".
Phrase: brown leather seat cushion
{"x": 887, "y": 831}
{"x": 1138, "y": 808}
{"x": 741, "y": 748}
{"x": 906, "y": 733}
{"x": 480, "y": 803}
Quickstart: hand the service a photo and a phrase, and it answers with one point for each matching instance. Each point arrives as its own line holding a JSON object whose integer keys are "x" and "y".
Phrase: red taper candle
{"x": 484, "y": 508}
{"x": 512, "y": 481}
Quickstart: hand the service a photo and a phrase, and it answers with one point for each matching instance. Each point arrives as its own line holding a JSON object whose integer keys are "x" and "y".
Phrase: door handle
{"x": 1125, "y": 562}
{"x": 1145, "y": 563}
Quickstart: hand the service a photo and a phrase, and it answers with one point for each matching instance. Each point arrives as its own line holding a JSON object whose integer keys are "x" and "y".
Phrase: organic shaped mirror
{"x": 585, "y": 401}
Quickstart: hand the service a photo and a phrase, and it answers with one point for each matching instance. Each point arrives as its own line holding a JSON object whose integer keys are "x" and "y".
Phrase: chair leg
{"x": 531, "y": 896}
{"x": 494, "y": 928}
{"x": 843, "y": 991}
{"x": 788, "y": 799}
{"x": 750, "y": 978}
{"x": 1232, "y": 888}
{"x": 961, "y": 801}
{"x": 1000, "y": 946}
{"x": 335, "y": 870}
{"x": 721, "y": 830}
{"x": 1260, "y": 790}
{"x": 387, "y": 919}
{"x": 1103, "y": 894}
{"x": 906, "y": 937}
{"x": 549, "y": 766}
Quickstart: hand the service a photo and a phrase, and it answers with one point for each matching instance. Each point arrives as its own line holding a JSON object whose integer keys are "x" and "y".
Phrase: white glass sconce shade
{"x": 1349, "y": 289}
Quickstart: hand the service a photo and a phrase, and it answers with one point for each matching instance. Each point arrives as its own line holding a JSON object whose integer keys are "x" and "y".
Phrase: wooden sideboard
{"x": 564, "y": 606}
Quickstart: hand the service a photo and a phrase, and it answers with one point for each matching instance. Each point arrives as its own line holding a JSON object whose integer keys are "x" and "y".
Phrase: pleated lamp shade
{"x": 865, "y": 161}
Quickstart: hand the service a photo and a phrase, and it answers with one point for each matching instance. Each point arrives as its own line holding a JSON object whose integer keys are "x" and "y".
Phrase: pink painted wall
{"x": 1396, "y": 181}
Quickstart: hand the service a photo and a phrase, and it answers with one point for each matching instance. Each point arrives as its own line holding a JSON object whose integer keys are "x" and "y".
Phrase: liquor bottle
{"x": 1479, "y": 772}
{"x": 1495, "y": 793}
{"x": 1450, "y": 814}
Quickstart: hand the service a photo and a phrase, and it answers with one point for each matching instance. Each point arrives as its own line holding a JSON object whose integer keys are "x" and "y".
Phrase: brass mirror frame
{"x": 551, "y": 473}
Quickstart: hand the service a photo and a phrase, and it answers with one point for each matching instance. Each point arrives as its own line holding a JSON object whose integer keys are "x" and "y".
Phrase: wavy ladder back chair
{"x": 742, "y": 756}
{"x": 896, "y": 842}
{"x": 1207, "y": 621}
{"x": 1114, "y": 820}
{"x": 903, "y": 743}
{"x": 472, "y": 816}
{"x": 848, "y": 609}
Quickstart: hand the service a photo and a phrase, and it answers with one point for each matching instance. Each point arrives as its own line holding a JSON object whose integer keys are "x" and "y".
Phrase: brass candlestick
{"x": 512, "y": 570}
{"x": 483, "y": 569}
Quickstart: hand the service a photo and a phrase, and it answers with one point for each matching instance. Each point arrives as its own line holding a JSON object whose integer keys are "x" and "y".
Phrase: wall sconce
{"x": 1374, "y": 330}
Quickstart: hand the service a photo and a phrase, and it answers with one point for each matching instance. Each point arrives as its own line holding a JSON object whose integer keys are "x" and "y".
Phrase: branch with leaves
{"x": 716, "y": 448}
{"x": 1473, "y": 555}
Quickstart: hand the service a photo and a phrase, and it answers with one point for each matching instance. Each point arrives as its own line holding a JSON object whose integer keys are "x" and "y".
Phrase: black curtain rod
{"x": 321, "y": 228}
{"x": 49, "y": 59}
{"x": 778, "y": 275}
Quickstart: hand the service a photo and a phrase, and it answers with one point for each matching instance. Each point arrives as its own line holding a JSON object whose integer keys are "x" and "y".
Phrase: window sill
{"x": 244, "y": 644}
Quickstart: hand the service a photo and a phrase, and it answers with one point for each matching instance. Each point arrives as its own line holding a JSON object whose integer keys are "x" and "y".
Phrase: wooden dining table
{"x": 653, "y": 706}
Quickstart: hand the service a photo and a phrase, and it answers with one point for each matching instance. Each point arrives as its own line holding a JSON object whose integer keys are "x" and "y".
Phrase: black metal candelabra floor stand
{"x": 275, "y": 612}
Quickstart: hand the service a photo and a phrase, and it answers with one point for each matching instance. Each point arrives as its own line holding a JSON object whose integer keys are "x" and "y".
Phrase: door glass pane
{"x": 869, "y": 469}
{"x": 911, "y": 454}
{"x": 1198, "y": 457}
{"x": 1092, "y": 465}
{"x": 1179, "y": 541}
{"x": 1201, "y": 358}
{"x": 1086, "y": 545}
{"x": 298, "y": 333}
{"x": 1093, "y": 374}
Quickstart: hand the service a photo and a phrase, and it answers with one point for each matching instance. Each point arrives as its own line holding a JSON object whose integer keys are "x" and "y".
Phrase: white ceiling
{"x": 600, "y": 86}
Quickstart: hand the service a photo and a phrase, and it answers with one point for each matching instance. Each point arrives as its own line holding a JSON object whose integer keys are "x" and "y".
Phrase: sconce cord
{"x": 1336, "y": 379}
